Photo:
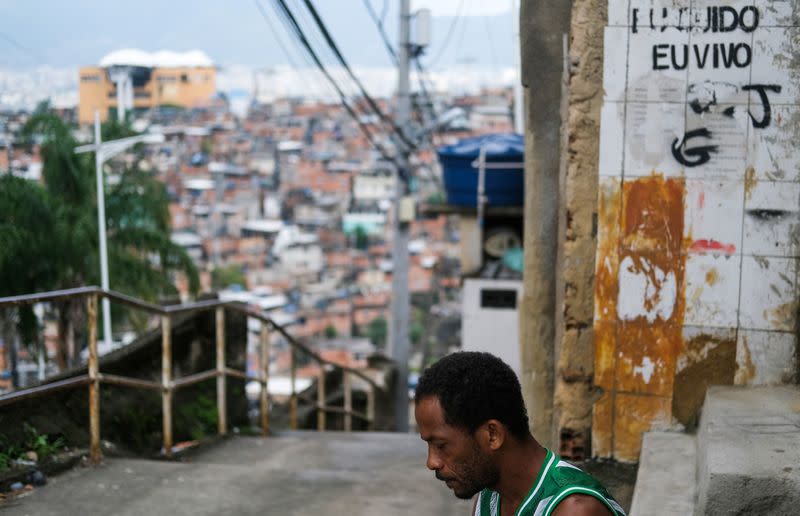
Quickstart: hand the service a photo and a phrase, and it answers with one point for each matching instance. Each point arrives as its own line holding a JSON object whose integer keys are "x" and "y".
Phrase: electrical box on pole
{"x": 422, "y": 28}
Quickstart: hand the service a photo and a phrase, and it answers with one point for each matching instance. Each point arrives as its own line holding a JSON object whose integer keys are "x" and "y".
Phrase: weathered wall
{"x": 574, "y": 390}
{"x": 542, "y": 25}
{"x": 698, "y": 209}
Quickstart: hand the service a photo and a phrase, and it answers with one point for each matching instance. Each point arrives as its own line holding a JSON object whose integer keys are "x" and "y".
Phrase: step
{"x": 665, "y": 481}
{"x": 748, "y": 449}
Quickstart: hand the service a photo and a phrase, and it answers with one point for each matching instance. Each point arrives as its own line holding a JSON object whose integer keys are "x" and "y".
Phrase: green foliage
{"x": 330, "y": 332}
{"x": 436, "y": 198}
{"x": 225, "y": 276}
{"x": 200, "y": 416}
{"x": 8, "y": 452}
{"x": 415, "y": 332}
{"x": 49, "y": 231}
{"x": 141, "y": 254}
{"x": 207, "y": 146}
{"x": 377, "y": 330}
{"x": 43, "y": 445}
{"x": 362, "y": 238}
{"x": 27, "y": 222}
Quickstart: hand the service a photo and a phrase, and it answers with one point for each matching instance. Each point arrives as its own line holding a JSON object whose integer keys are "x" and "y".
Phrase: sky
{"x": 63, "y": 34}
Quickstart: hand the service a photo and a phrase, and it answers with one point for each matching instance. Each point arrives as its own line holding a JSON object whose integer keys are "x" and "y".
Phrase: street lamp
{"x": 104, "y": 151}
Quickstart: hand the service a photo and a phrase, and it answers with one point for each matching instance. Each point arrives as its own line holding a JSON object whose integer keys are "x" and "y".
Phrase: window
{"x": 184, "y": 77}
{"x": 496, "y": 298}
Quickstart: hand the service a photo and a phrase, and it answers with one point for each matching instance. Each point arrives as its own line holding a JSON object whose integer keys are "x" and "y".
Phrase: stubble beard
{"x": 476, "y": 474}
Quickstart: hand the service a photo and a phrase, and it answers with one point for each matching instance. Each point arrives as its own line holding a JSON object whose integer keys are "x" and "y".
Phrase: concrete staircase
{"x": 745, "y": 458}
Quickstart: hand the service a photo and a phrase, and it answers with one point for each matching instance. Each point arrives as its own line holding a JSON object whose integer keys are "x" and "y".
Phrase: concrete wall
{"x": 542, "y": 26}
{"x": 574, "y": 390}
{"x": 698, "y": 210}
{"x": 494, "y": 329}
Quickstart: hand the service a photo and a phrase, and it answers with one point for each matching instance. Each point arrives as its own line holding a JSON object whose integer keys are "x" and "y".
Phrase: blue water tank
{"x": 504, "y": 187}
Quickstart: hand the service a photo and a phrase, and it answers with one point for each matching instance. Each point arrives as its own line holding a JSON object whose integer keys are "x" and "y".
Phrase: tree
{"x": 224, "y": 276}
{"x": 377, "y": 331}
{"x": 330, "y": 332}
{"x": 27, "y": 221}
{"x": 141, "y": 253}
{"x": 362, "y": 238}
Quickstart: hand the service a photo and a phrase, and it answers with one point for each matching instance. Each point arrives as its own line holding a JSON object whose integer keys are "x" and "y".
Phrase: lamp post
{"x": 104, "y": 151}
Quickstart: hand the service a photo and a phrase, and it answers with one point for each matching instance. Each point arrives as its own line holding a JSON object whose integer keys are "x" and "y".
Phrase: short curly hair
{"x": 474, "y": 387}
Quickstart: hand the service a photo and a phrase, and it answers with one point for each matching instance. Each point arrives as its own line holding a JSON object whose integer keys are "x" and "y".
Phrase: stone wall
{"x": 574, "y": 391}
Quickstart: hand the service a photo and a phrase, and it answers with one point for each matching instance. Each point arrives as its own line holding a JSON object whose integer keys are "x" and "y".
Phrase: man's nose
{"x": 433, "y": 463}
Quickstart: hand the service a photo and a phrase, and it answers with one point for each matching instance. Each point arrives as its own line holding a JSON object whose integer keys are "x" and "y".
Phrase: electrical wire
{"x": 316, "y": 86}
{"x": 301, "y": 37}
{"x": 370, "y": 101}
{"x": 448, "y": 36}
{"x": 272, "y": 29}
{"x": 19, "y": 46}
{"x": 491, "y": 42}
{"x": 381, "y": 29}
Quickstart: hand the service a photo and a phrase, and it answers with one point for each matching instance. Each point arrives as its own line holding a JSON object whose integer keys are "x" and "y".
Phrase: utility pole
{"x": 400, "y": 298}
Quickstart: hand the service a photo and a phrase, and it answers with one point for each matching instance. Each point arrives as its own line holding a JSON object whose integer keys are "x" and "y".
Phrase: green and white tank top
{"x": 556, "y": 480}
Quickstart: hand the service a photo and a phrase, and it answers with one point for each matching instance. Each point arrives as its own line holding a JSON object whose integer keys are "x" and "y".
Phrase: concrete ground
{"x": 297, "y": 473}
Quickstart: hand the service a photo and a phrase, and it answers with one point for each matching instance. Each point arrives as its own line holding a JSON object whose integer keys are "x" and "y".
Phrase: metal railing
{"x": 168, "y": 385}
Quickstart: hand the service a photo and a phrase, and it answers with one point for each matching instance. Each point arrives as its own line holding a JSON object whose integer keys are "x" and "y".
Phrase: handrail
{"x": 168, "y": 385}
{"x": 177, "y": 309}
{"x": 38, "y": 390}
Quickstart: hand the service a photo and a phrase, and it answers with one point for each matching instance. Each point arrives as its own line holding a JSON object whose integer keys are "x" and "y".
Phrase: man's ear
{"x": 492, "y": 434}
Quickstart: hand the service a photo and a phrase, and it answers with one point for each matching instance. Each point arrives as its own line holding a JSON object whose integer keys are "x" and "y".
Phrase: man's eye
{"x": 440, "y": 446}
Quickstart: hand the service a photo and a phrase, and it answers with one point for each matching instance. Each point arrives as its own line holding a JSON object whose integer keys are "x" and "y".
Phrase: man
{"x": 469, "y": 409}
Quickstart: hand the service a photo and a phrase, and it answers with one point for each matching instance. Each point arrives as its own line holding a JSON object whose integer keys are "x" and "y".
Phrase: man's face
{"x": 455, "y": 456}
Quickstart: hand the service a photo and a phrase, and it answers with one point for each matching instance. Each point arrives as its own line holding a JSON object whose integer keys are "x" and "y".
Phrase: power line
{"x": 301, "y": 37}
{"x": 372, "y": 103}
{"x": 318, "y": 87}
{"x": 275, "y": 34}
{"x": 491, "y": 42}
{"x": 449, "y": 34}
{"x": 21, "y": 47}
{"x": 381, "y": 29}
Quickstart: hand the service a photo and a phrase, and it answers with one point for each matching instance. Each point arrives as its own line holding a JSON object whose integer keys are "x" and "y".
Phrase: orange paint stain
{"x": 642, "y": 232}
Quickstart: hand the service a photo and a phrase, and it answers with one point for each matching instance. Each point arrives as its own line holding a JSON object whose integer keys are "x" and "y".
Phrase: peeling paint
{"x": 745, "y": 374}
{"x": 712, "y": 276}
{"x": 646, "y": 369}
{"x": 645, "y": 290}
{"x": 750, "y": 182}
{"x": 706, "y": 359}
{"x": 713, "y": 247}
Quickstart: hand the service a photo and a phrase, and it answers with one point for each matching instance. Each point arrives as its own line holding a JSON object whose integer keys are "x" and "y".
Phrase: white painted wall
{"x": 492, "y": 330}
{"x": 665, "y": 83}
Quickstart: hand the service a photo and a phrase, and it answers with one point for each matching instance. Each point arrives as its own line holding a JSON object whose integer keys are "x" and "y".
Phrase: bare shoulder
{"x": 581, "y": 505}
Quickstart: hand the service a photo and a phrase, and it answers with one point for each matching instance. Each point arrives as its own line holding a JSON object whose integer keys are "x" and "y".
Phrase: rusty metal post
{"x": 371, "y": 408}
{"x": 222, "y": 418}
{"x": 94, "y": 384}
{"x": 293, "y": 398}
{"x": 348, "y": 401}
{"x": 166, "y": 383}
{"x": 264, "y": 341}
{"x": 321, "y": 423}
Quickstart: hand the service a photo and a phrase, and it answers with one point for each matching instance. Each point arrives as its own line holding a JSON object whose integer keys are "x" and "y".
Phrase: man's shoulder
{"x": 571, "y": 490}
{"x": 565, "y": 474}
{"x": 581, "y": 505}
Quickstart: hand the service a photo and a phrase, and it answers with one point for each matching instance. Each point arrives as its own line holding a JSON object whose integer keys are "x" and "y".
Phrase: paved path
{"x": 298, "y": 473}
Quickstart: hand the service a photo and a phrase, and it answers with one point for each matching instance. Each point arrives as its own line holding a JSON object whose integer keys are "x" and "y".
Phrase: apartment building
{"x": 127, "y": 80}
